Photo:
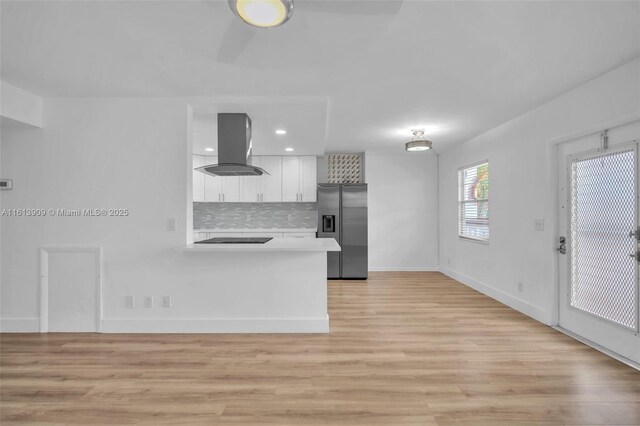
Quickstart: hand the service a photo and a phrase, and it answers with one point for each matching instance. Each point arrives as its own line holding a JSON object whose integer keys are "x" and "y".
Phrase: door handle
{"x": 562, "y": 248}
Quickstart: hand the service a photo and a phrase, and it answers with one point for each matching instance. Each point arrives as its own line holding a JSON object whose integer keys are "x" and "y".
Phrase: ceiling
{"x": 303, "y": 120}
{"x": 382, "y": 67}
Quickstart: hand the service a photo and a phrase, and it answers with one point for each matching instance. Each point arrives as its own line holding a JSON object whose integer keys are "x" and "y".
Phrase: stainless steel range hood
{"x": 234, "y": 148}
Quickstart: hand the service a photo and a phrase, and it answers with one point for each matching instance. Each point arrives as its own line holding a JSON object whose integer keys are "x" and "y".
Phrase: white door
{"x": 198, "y": 178}
{"x": 598, "y": 217}
{"x": 272, "y": 183}
{"x": 251, "y": 185}
{"x": 290, "y": 178}
{"x": 308, "y": 178}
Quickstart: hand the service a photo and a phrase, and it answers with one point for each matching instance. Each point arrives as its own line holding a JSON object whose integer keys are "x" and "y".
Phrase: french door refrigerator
{"x": 342, "y": 214}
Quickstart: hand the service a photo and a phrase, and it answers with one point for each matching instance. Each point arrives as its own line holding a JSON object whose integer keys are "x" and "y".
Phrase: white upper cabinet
{"x": 212, "y": 185}
{"x": 299, "y": 178}
{"x": 271, "y": 184}
{"x": 231, "y": 189}
{"x": 265, "y": 188}
{"x": 198, "y": 178}
{"x": 219, "y": 189}
{"x": 308, "y": 178}
{"x": 251, "y": 185}
{"x": 290, "y": 179}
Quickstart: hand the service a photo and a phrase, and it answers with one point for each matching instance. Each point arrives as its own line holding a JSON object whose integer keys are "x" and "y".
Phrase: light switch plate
{"x": 6, "y": 184}
{"x": 538, "y": 225}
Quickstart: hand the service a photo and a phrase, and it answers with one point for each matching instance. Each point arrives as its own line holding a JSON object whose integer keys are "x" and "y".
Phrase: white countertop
{"x": 276, "y": 244}
{"x": 249, "y": 230}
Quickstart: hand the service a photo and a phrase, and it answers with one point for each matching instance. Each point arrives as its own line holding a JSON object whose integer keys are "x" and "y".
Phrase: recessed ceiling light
{"x": 281, "y": 132}
{"x": 262, "y": 13}
{"x": 209, "y": 149}
{"x": 289, "y": 149}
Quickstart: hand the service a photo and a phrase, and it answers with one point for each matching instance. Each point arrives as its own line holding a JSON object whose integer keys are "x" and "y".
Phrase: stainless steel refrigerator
{"x": 342, "y": 214}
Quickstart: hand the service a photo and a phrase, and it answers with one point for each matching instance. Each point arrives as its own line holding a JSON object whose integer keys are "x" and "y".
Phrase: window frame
{"x": 460, "y": 202}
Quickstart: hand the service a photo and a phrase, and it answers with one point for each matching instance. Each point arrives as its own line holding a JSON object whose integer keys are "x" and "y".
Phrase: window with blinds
{"x": 473, "y": 202}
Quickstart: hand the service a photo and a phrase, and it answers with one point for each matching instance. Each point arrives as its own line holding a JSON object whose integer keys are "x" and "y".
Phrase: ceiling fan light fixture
{"x": 262, "y": 13}
{"x": 419, "y": 142}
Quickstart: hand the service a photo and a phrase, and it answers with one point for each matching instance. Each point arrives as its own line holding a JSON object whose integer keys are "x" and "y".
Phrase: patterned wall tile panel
{"x": 344, "y": 168}
{"x": 254, "y": 215}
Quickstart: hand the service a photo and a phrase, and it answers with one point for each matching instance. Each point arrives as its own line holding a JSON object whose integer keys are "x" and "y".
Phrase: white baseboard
{"x": 216, "y": 325}
{"x": 519, "y": 305}
{"x": 404, "y": 268}
{"x": 20, "y": 325}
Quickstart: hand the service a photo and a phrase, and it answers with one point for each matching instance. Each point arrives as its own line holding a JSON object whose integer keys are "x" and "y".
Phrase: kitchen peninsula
{"x": 276, "y": 287}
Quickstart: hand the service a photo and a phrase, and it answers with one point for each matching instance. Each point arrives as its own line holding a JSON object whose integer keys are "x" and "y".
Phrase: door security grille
{"x": 603, "y": 246}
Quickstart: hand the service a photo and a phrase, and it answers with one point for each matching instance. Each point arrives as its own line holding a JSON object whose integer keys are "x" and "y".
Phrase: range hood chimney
{"x": 234, "y": 148}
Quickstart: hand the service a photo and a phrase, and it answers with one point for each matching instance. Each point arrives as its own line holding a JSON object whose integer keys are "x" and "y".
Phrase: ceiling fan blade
{"x": 352, "y": 7}
{"x": 234, "y": 42}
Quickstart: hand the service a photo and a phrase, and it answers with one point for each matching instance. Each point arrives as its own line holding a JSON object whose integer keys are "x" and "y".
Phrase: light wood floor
{"x": 404, "y": 348}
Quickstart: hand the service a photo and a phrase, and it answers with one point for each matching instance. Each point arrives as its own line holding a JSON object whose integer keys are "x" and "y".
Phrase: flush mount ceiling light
{"x": 262, "y": 13}
{"x": 289, "y": 149}
{"x": 419, "y": 142}
{"x": 281, "y": 132}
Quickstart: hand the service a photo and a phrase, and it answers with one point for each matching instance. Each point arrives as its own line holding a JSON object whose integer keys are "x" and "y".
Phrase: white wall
{"x": 403, "y": 222}
{"x": 131, "y": 154}
{"x": 521, "y": 169}
{"x": 20, "y": 106}
{"x": 96, "y": 154}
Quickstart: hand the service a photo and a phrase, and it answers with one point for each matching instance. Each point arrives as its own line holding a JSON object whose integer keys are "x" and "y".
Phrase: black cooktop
{"x": 235, "y": 240}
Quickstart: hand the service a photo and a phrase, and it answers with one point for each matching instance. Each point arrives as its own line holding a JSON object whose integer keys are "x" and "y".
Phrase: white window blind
{"x": 473, "y": 202}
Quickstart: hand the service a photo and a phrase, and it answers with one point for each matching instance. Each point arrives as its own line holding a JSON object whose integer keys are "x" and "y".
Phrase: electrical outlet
{"x": 171, "y": 224}
{"x": 248, "y": 217}
{"x": 538, "y": 225}
{"x": 148, "y": 301}
{"x": 129, "y": 302}
{"x": 520, "y": 287}
{"x": 166, "y": 301}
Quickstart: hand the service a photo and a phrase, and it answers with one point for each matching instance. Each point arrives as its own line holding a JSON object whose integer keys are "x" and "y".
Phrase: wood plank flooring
{"x": 404, "y": 348}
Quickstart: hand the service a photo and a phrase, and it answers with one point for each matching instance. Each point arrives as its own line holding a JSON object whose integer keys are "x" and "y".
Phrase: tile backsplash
{"x": 254, "y": 215}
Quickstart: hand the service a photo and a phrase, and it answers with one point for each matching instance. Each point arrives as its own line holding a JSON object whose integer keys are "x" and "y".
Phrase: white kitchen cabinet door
{"x": 250, "y": 185}
{"x": 212, "y": 184}
{"x": 231, "y": 189}
{"x": 308, "y": 178}
{"x": 290, "y": 178}
{"x": 198, "y": 178}
{"x": 271, "y": 184}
